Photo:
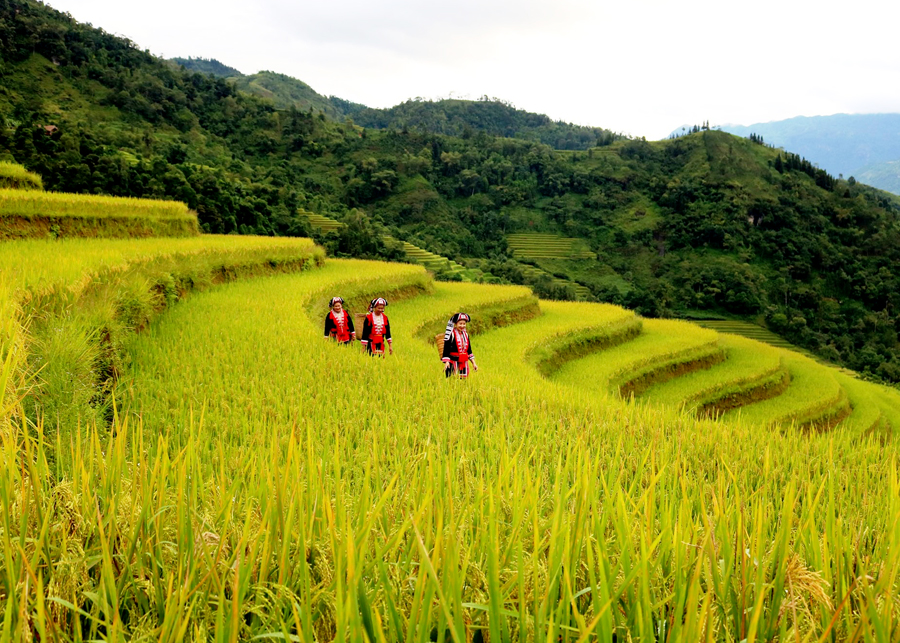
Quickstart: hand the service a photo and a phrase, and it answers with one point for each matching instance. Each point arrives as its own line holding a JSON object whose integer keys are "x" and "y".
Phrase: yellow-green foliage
{"x": 82, "y": 297}
{"x": 535, "y": 245}
{"x": 40, "y": 264}
{"x": 16, "y": 177}
{"x": 489, "y": 308}
{"x": 749, "y": 368}
{"x": 889, "y": 402}
{"x": 660, "y": 350}
{"x": 31, "y": 204}
{"x": 11, "y": 355}
{"x": 814, "y": 396}
{"x": 263, "y": 483}
{"x": 569, "y": 330}
{"x": 865, "y": 400}
{"x": 30, "y": 213}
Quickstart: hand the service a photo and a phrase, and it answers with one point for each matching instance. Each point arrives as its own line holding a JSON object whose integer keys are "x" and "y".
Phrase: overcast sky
{"x": 642, "y": 67}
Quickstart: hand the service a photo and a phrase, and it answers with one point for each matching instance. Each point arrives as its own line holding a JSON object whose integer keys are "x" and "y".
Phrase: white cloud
{"x": 641, "y": 66}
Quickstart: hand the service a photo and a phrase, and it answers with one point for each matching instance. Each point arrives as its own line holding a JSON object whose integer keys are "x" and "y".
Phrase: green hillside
{"x": 885, "y": 175}
{"x": 287, "y": 92}
{"x": 858, "y": 145}
{"x": 456, "y": 117}
{"x": 707, "y": 223}
{"x": 207, "y": 66}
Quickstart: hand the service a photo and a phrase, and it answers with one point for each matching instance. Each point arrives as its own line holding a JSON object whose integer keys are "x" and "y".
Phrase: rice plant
{"x": 37, "y": 264}
{"x": 35, "y": 214}
{"x": 14, "y": 176}
{"x": 60, "y": 204}
{"x": 751, "y": 371}
{"x": 814, "y": 397}
{"x": 664, "y": 350}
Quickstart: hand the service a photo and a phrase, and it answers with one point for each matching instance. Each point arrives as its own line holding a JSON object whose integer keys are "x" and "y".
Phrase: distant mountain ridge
{"x": 450, "y": 116}
{"x": 857, "y": 145}
{"x": 456, "y": 117}
{"x": 207, "y": 66}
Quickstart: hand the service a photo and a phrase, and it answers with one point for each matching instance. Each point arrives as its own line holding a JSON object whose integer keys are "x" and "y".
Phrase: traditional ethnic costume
{"x": 339, "y": 326}
{"x": 457, "y": 348}
{"x": 376, "y": 329}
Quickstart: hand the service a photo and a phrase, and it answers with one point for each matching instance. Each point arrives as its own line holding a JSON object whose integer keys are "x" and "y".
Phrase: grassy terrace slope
{"x": 751, "y": 331}
{"x": 29, "y": 213}
{"x": 814, "y": 396}
{"x": 547, "y": 246}
{"x": 751, "y": 371}
{"x": 14, "y": 176}
{"x": 707, "y": 374}
{"x": 296, "y": 488}
{"x": 664, "y": 350}
{"x": 69, "y": 304}
{"x": 39, "y": 264}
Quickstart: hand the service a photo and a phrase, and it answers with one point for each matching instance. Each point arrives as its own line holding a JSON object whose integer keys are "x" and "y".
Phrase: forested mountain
{"x": 884, "y": 175}
{"x": 287, "y": 92}
{"x": 706, "y": 224}
{"x": 858, "y": 145}
{"x": 207, "y": 66}
{"x": 454, "y": 117}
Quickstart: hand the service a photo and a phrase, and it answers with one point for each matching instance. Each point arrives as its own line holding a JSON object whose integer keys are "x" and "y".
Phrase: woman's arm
{"x": 367, "y": 331}
{"x": 448, "y": 348}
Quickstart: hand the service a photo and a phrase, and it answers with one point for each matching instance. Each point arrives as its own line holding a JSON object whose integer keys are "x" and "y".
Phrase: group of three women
{"x": 376, "y": 335}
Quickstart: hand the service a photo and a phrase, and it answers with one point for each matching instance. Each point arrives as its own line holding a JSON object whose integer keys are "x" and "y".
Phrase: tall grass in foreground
{"x": 282, "y": 487}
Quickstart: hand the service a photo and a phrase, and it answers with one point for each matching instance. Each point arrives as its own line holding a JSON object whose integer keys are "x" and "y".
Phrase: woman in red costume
{"x": 339, "y": 323}
{"x": 457, "y": 353}
{"x": 377, "y": 329}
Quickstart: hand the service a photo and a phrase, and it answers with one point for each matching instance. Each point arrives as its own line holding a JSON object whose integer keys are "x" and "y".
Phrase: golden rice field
{"x": 30, "y": 213}
{"x": 59, "y": 204}
{"x": 36, "y": 264}
{"x": 14, "y": 176}
{"x": 257, "y": 482}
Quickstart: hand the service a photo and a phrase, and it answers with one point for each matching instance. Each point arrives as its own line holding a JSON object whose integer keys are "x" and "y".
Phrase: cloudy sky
{"x": 642, "y": 67}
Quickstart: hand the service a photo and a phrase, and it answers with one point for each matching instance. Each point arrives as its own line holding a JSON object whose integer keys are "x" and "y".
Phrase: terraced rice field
{"x": 39, "y": 264}
{"x": 814, "y": 397}
{"x": 534, "y": 245}
{"x": 534, "y": 273}
{"x": 258, "y": 483}
{"x": 664, "y": 350}
{"x": 432, "y": 262}
{"x": 735, "y": 378}
{"x": 439, "y": 264}
{"x": 322, "y": 222}
{"x": 32, "y": 213}
{"x": 751, "y": 371}
{"x": 752, "y": 331}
